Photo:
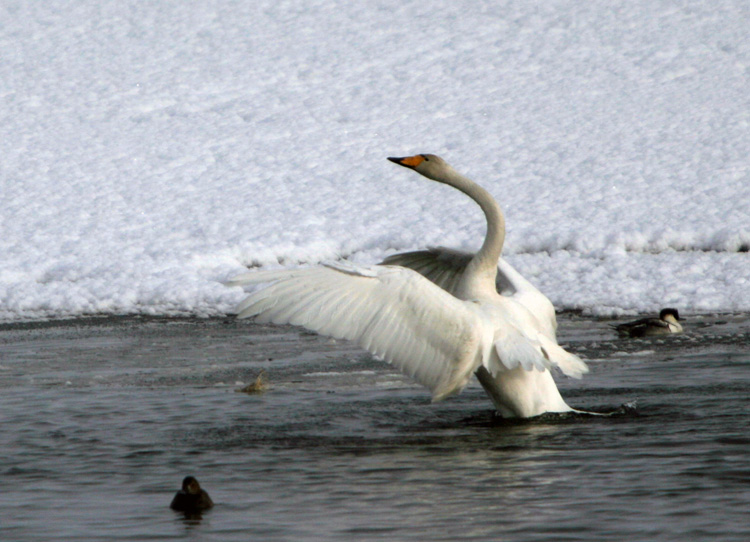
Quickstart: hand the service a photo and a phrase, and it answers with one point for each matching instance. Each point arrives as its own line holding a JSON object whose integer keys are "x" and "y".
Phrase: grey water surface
{"x": 102, "y": 418}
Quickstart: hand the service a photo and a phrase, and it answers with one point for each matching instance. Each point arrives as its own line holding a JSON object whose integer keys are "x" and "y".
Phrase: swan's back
{"x": 445, "y": 267}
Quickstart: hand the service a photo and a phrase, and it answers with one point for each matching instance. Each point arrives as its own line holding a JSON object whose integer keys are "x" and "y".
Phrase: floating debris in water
{"x": 259, "y": 386}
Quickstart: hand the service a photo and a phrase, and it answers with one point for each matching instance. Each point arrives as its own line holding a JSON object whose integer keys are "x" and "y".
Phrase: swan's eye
{"x": 425, "y": 157}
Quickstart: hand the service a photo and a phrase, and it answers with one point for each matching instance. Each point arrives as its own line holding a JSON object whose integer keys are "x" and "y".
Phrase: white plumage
{"x": 392, "y": 312}
{"x": 439, "y": 328}
{"x": 445, "y": 267}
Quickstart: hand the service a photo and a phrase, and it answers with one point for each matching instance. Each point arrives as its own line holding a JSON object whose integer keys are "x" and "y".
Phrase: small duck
{"x": 191, "y": 499}
{"x": 648, "y": 327}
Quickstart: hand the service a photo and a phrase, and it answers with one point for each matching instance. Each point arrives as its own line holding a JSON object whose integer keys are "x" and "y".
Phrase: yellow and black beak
{"x": 408, "y": 161}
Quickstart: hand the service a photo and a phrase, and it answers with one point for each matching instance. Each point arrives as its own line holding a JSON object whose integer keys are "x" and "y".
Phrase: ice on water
{"x": 149, "y": 151}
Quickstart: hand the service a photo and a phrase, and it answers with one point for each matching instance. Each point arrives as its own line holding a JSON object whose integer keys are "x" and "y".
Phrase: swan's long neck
{"x": 482, "y": 270}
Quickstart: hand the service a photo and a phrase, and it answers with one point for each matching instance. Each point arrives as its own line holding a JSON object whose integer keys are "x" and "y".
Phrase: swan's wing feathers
{"x": 446, "y": 266}
{"x": 510, "y": 283}
{"x": 258, "y": 277}
{"x": 570, "y": 364}
{"x": 394, "y": 313}
{"x": 514, "y": 347}
{"x": 443, "y": 266}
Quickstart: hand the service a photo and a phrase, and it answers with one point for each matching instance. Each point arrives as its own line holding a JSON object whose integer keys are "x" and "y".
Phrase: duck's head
{"x": 190, "y": 485}
{"x": 430, "y": 165}
{"x": 669, "y": 312}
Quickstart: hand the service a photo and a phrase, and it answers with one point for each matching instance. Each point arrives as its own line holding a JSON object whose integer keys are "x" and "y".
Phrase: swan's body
{"x": 440, "y": 337}
{"x": 665, "y": 324}
{"x": 445, "y": 267}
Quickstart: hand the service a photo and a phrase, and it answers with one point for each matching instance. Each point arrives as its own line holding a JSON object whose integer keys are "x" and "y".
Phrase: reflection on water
{"x": 101, "y": 422}
{"x": 190, "y": 519}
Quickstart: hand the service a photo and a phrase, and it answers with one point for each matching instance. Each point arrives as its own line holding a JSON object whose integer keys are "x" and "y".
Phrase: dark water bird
{"x": 191, "y": 499}
{"x": 665, "y": 324}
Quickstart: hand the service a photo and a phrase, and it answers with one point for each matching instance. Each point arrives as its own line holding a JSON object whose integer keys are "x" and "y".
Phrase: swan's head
{"x": 431, "y": 166}
{"x": 665, "y": 314}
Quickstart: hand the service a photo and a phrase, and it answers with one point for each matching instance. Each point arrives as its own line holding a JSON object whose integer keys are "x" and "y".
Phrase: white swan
{"x": 439, "y": 338}
{"x": 666, "y": 324}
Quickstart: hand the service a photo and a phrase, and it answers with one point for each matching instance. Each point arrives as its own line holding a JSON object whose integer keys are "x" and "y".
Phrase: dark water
{"x": 101, "y": 420}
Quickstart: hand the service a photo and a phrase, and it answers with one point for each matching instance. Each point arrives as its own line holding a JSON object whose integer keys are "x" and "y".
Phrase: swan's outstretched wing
{"x": 525, "y": 293}
{"x": 445, "y": 267}
{"x": 570, "y": 364}
{"x": 522, "y": 348}
{"x": 393, "y": 312}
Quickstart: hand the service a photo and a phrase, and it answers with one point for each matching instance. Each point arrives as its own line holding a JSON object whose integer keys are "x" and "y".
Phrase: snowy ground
{"x": 151, "y": 150}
